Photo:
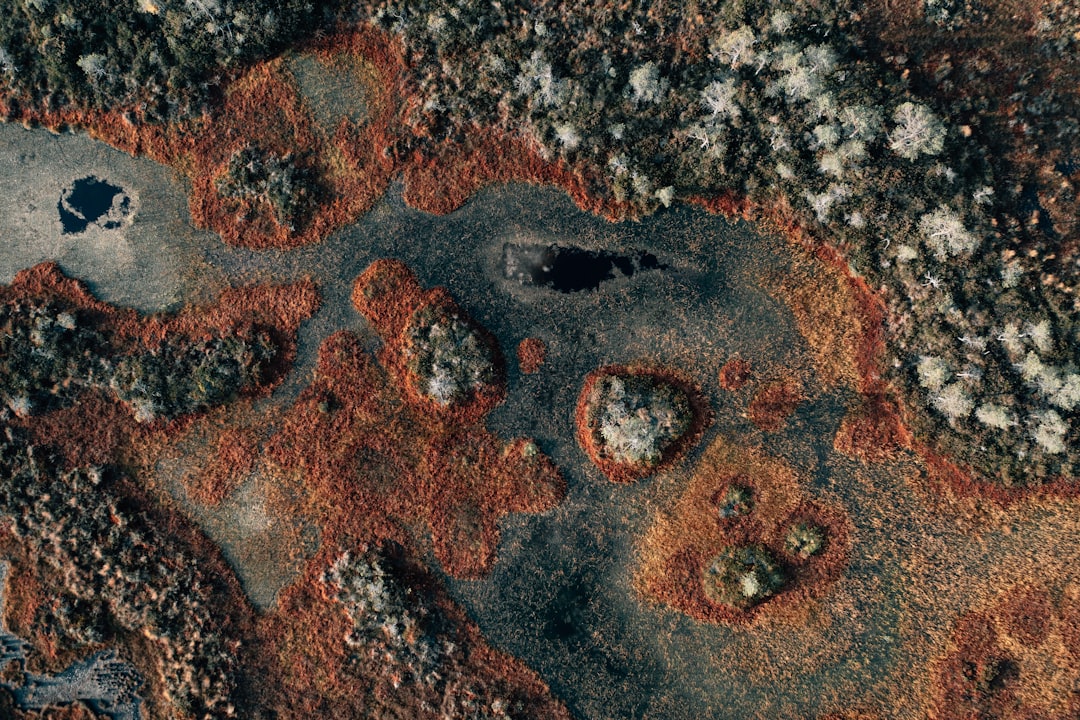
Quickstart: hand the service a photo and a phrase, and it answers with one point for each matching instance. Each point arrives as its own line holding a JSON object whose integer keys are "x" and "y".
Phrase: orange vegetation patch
{"x": 352, "y": 166}
{"x": 389, "y": 296}
{"x": 588, "y": 431}
{"x": 352, "y": 163}
{"x": 91, "y": 431}
{"x": 381, "y": 460}
{"x": 231, "y": 462}
{"x": 316, "y": 674}
{"x": 441, "y": 180}
{"x": 1017, "y": 659}
{"x": 677, "y": 549}
{"x": 945, "y": 478}
{"x": 531, "y": 353}
{"x": 872, "y": 430}
{"x": 773, "y": 403}
{"x": 735, "y": 374}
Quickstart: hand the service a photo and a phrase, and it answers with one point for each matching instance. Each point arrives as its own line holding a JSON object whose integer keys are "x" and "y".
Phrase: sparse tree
{"x": 918, "y": 132}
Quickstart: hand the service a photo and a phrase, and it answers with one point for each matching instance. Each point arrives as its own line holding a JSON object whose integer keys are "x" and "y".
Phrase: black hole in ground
{"x": 571, "y": 269}
{"x": 87, "y": 201}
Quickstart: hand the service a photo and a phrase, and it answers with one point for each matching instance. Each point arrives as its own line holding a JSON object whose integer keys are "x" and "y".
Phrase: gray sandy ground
{"x": 150, "y": 262}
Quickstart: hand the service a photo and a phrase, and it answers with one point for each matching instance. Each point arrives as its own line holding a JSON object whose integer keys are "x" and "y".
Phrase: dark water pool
{"x": 87, "y": 201}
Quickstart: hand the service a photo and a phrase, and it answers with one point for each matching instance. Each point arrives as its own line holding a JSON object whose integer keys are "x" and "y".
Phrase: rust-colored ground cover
{"x": 352, "y": 163}
{"x": 1017, "y": 658}
{"x": 735, "y": 373}
{"x": 531, "y": 353}
{"x": 380, "y": 460}
{"x": 388, "y": 295}
{"x": 687, "y": 535}
{"x": 233, "y": 459}
{"x": 312, "y": 673}
{"x": 773, "y": 403}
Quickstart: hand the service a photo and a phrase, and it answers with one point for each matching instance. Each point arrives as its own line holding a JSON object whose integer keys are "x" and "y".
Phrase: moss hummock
{"x": 742, "y": 576}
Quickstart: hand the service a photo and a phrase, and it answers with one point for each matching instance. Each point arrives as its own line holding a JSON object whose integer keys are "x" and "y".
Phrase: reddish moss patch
{"x": 445, "y": 176}
{"x": 872, "y": 431}
{"x": 231, "y": 462}
{"x": 373, "y": 461}
{"x": 589, "y": 431}
{"x": 773, "y": 403}
{"x": 389, "y": 296}
{"x": 353, "y": 165}
{"x": 682, "y": 541}
{"x": 531, "y": 353}
{"x": 366, "y": 461}
{"x": 380, "y": 460}
{"x": 943, "y": 478}
{"x": 1011, "y": 660}
{"x": 735, "y": 374}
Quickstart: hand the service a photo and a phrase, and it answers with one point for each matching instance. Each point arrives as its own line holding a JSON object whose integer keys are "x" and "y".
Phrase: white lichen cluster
{"x": 646, "y": 85}
{"x": 944, "y": 234}
{"x": 537, "y": 80}
{"x": 917, "y": 131}
{"x": 638, "y": 417}
{"x": 388, "y": 623}
{"x": 446, "y": 355}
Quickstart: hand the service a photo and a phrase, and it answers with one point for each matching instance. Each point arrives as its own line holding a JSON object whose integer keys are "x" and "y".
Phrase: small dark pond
{"x": 87, "y": 201}
{"x": 570, "y": 269}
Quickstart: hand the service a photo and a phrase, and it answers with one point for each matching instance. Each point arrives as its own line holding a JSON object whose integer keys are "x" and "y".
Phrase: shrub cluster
{"x": 46, "y": 356}
{"x": 401, "y": 636}
{"x": 638, "y": 417}
{"x": 256, "y": 174}
{"x": 185, "y": 377}
{"x": 447, "y": 356}
{"x": 49, "y": 353}
{"x": 120, "y": 576}
{"x": 743, "y": 576}
{"x": 158, "y": 58}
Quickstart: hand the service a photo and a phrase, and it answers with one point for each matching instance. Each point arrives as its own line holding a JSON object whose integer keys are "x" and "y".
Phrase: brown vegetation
{"x": 773, "y": 403}
{"x": 683, "y": 539}
{"x": 357, "y": 455}
{"x": 735, "y": 373}
{"x": 231, "y": 462}
{"x": 315, "y": 674}
{"x": 531, "y": 353}
{"x": 388, "y": 295}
